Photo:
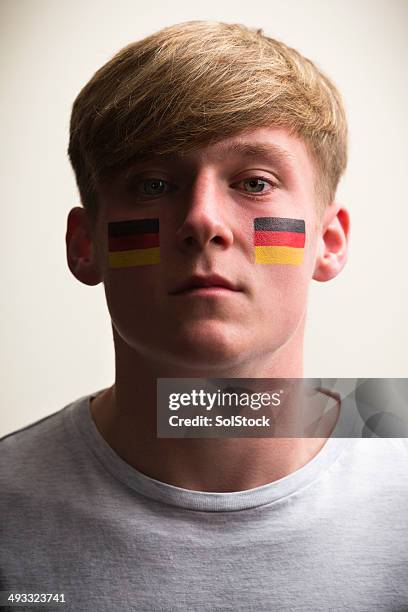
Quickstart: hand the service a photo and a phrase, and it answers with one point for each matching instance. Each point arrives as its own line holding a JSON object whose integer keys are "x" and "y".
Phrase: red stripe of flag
{"x": 294, "y": 239}
{"x": 137, "y": 241}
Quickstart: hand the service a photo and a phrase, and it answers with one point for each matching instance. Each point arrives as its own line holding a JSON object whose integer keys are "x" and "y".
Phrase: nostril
{"x": 217, "y": 239}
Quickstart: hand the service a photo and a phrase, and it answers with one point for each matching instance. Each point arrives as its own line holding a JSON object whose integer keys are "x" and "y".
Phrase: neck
{"x": 125, "y": 415}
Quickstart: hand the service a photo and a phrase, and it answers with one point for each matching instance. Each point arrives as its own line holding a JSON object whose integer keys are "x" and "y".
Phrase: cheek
{"x": 281, "y": 304}
{"x": 279, "y": 253}
{"x": 283, "y": 290}
{"x": 130, "y": 293}
{"x": 132, "y": 265}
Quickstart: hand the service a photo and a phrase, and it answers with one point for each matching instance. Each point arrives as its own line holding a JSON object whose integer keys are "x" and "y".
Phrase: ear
{"x": 81, "y": 254}
{"x": 332, "y": 245}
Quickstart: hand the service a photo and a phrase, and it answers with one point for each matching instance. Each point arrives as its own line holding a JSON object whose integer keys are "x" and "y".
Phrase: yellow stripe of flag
{"x": 135, "y": 257}
{"x": 278, "y": 255}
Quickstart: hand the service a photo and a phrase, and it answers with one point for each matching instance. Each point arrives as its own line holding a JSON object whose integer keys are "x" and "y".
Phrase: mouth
{"x": 206, "y": 291}
{"x": 213, "y": 285}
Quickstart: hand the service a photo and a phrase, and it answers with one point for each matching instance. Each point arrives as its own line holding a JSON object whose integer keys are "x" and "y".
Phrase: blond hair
{"x": 196, "y": 83}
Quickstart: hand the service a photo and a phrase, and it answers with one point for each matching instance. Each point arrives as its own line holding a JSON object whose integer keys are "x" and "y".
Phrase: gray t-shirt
{"x": 76, "y": 519}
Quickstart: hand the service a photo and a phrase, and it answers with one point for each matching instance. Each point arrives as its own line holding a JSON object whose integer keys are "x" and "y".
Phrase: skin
{"x": 206, "y": 226}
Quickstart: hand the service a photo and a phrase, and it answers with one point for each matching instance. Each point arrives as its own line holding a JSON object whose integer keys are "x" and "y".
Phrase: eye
{"x": 257, "y": 184}
{"x": 152, "y": 186}
{"x": 145, "y": 188}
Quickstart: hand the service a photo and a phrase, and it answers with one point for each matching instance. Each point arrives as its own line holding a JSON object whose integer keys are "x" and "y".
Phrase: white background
{"x": 56, "y": 334}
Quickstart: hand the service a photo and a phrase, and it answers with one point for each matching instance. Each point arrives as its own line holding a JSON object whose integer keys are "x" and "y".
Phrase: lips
{"x": 196, "y": 281}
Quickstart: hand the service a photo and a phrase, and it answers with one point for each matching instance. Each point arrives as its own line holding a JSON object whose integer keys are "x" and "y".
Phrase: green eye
{"x": 256, "y": 185}
{"x": 153, "y": 186}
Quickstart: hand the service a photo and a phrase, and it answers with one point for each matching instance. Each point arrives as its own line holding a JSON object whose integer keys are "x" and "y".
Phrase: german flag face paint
{"x": 279, "y": 240}
{"x": 134, "y": 242}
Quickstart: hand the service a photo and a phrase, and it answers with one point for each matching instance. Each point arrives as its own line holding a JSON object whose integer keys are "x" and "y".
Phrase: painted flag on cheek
{"x": 134, "y": 242}
{"x": 278, "y": 240}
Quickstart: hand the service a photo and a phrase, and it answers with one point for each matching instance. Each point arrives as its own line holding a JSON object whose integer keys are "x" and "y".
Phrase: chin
{"x": 208, "y": 344}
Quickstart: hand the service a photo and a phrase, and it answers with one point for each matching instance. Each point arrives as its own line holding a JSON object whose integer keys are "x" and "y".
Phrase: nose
{"x": 205, "y": 219}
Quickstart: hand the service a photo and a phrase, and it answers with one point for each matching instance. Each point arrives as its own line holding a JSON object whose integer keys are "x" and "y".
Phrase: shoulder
{"x": 379, "y": 465}
{"x": 39, "y": 451}
{"x": 388, "y": 451}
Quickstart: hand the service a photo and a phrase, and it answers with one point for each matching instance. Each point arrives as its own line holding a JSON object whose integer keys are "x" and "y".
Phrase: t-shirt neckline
{"x": 81, "y": 419}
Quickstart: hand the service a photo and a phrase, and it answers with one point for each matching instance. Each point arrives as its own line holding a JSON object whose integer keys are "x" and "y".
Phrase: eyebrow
{"x": 269, "y": 151}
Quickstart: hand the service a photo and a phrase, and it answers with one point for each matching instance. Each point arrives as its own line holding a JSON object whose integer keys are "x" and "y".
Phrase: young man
{"x": 204, "y": 138}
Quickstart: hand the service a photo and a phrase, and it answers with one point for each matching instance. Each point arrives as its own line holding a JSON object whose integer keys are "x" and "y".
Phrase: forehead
{"x": 272, "y": 145}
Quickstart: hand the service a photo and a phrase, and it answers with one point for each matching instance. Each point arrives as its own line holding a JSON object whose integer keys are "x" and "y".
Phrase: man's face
{"x": 206, "y": 203}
